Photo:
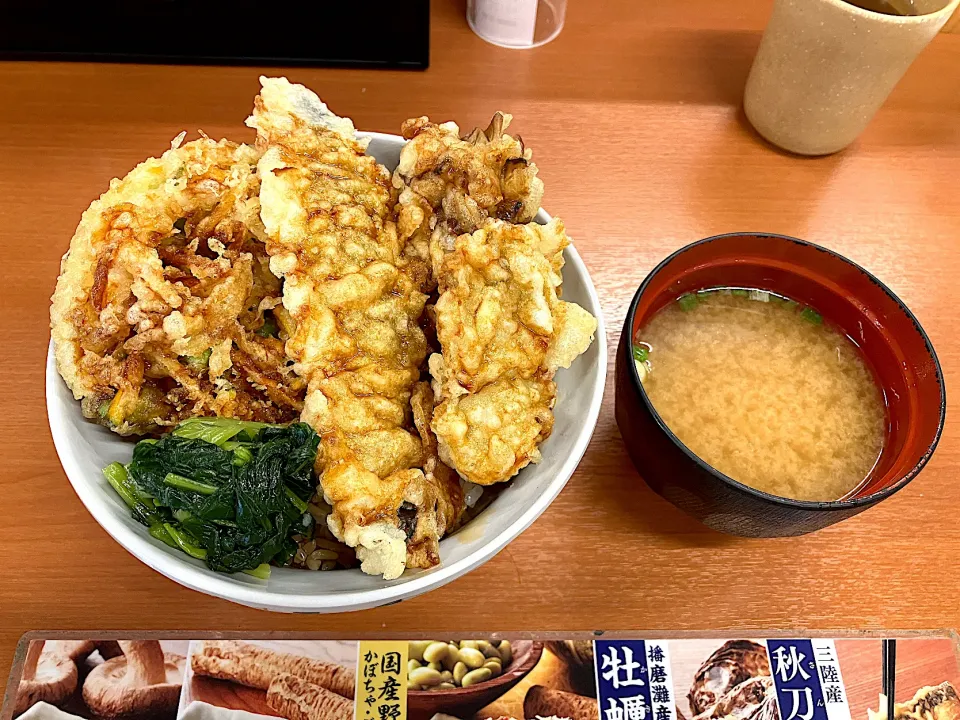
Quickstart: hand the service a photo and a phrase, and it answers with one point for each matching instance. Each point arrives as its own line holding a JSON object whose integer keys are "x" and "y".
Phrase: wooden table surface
{"x": 634, "y": 117}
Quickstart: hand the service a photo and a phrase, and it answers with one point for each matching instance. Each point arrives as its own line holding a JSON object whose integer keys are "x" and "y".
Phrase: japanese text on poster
{"x": 382, "y": 681}
{"x": 623, "y": 680}
{"x": 797, "y": 680}
{"x": 831, "y": 680}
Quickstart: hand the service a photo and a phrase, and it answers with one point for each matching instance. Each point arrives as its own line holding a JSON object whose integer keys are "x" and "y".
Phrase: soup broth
{"x": 764, "y": 391}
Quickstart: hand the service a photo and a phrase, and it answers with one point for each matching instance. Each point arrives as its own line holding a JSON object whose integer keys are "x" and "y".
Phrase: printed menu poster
{"x": 478, "y": 678}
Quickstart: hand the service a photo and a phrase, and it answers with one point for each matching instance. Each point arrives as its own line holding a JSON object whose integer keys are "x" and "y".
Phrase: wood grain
{"x": 634, "y": 117}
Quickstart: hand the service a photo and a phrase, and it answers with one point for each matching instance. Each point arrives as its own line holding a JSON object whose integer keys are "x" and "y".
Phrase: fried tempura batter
{"x": 498, "y": 314}
{"x": 355, "y": 294}
{"x": 939, "y": 702}
{"x": 502, "y": 329}
{"x": 451, "y": 186}
{"x": 163, "y": 291}
{"x": 504, "y": 333}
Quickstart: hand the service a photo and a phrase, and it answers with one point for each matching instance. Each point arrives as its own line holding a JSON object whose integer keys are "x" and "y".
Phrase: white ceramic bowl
{"x": 85, "y": 448}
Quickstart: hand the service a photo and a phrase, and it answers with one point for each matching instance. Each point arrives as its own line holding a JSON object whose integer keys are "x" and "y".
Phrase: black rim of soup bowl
{"x": 829, "y": 509}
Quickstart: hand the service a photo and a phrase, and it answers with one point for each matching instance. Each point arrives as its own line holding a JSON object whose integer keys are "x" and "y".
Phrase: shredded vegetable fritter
{"x": 162, "y": 311}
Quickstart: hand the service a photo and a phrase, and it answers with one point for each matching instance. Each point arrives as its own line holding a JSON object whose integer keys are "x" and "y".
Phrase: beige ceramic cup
{"x": 825, "y": 67}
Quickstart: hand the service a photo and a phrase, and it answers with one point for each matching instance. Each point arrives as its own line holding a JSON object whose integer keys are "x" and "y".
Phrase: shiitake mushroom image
{"x": 108, "y": 680}
{"x": 577, "y": 656}
{"x": 144, "y": 682}
{"x": 49, "y": 677}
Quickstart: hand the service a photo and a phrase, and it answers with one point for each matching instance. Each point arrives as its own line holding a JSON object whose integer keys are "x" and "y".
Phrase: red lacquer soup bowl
{"x": 851, "y": 299}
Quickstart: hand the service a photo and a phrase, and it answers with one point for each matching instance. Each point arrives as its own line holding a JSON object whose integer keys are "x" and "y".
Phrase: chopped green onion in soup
{"x": 811, "y": 315}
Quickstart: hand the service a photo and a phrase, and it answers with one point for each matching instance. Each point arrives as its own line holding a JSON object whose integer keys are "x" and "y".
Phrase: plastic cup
{"x": 516, "y": 24}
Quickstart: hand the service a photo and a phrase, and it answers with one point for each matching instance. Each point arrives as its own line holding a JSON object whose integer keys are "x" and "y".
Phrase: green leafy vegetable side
{"x": 229, "y": 492}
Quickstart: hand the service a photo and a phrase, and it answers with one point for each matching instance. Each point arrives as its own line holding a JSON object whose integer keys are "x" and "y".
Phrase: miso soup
{"x": 762, "y": 389}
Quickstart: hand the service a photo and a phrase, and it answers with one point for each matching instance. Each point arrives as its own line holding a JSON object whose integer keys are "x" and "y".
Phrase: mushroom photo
{"x": 47, "y": 677}
{"x": 76, "y": 650}
{"x": 143, "y": 682}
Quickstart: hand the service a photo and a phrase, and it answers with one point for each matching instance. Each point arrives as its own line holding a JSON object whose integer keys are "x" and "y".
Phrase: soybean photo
{"x": 445, "y": 665}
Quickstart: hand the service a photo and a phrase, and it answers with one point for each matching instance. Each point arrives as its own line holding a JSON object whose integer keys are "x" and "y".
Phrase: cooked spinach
{"x": 229, "y": 492}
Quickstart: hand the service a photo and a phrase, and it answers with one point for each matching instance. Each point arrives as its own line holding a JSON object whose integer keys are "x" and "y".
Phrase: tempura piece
{"x": 450, "y": 185}
{"x": 504, "y": 333}
{"x": 355, "y": 298}
{"x": 255, "y": 666}
{"x": 160, "y": 309}
{"x": 490, "y": 435}
{"x": 468, "y": 203}
{"x": 499, "y": 314}
{"x": 294, "y": 698}
{"x": 940, "y": 702}
{"x": 423, "y": 549}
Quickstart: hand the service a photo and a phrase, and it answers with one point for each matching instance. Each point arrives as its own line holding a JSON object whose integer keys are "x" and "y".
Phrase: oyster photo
{"x": 734, "y": 682}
